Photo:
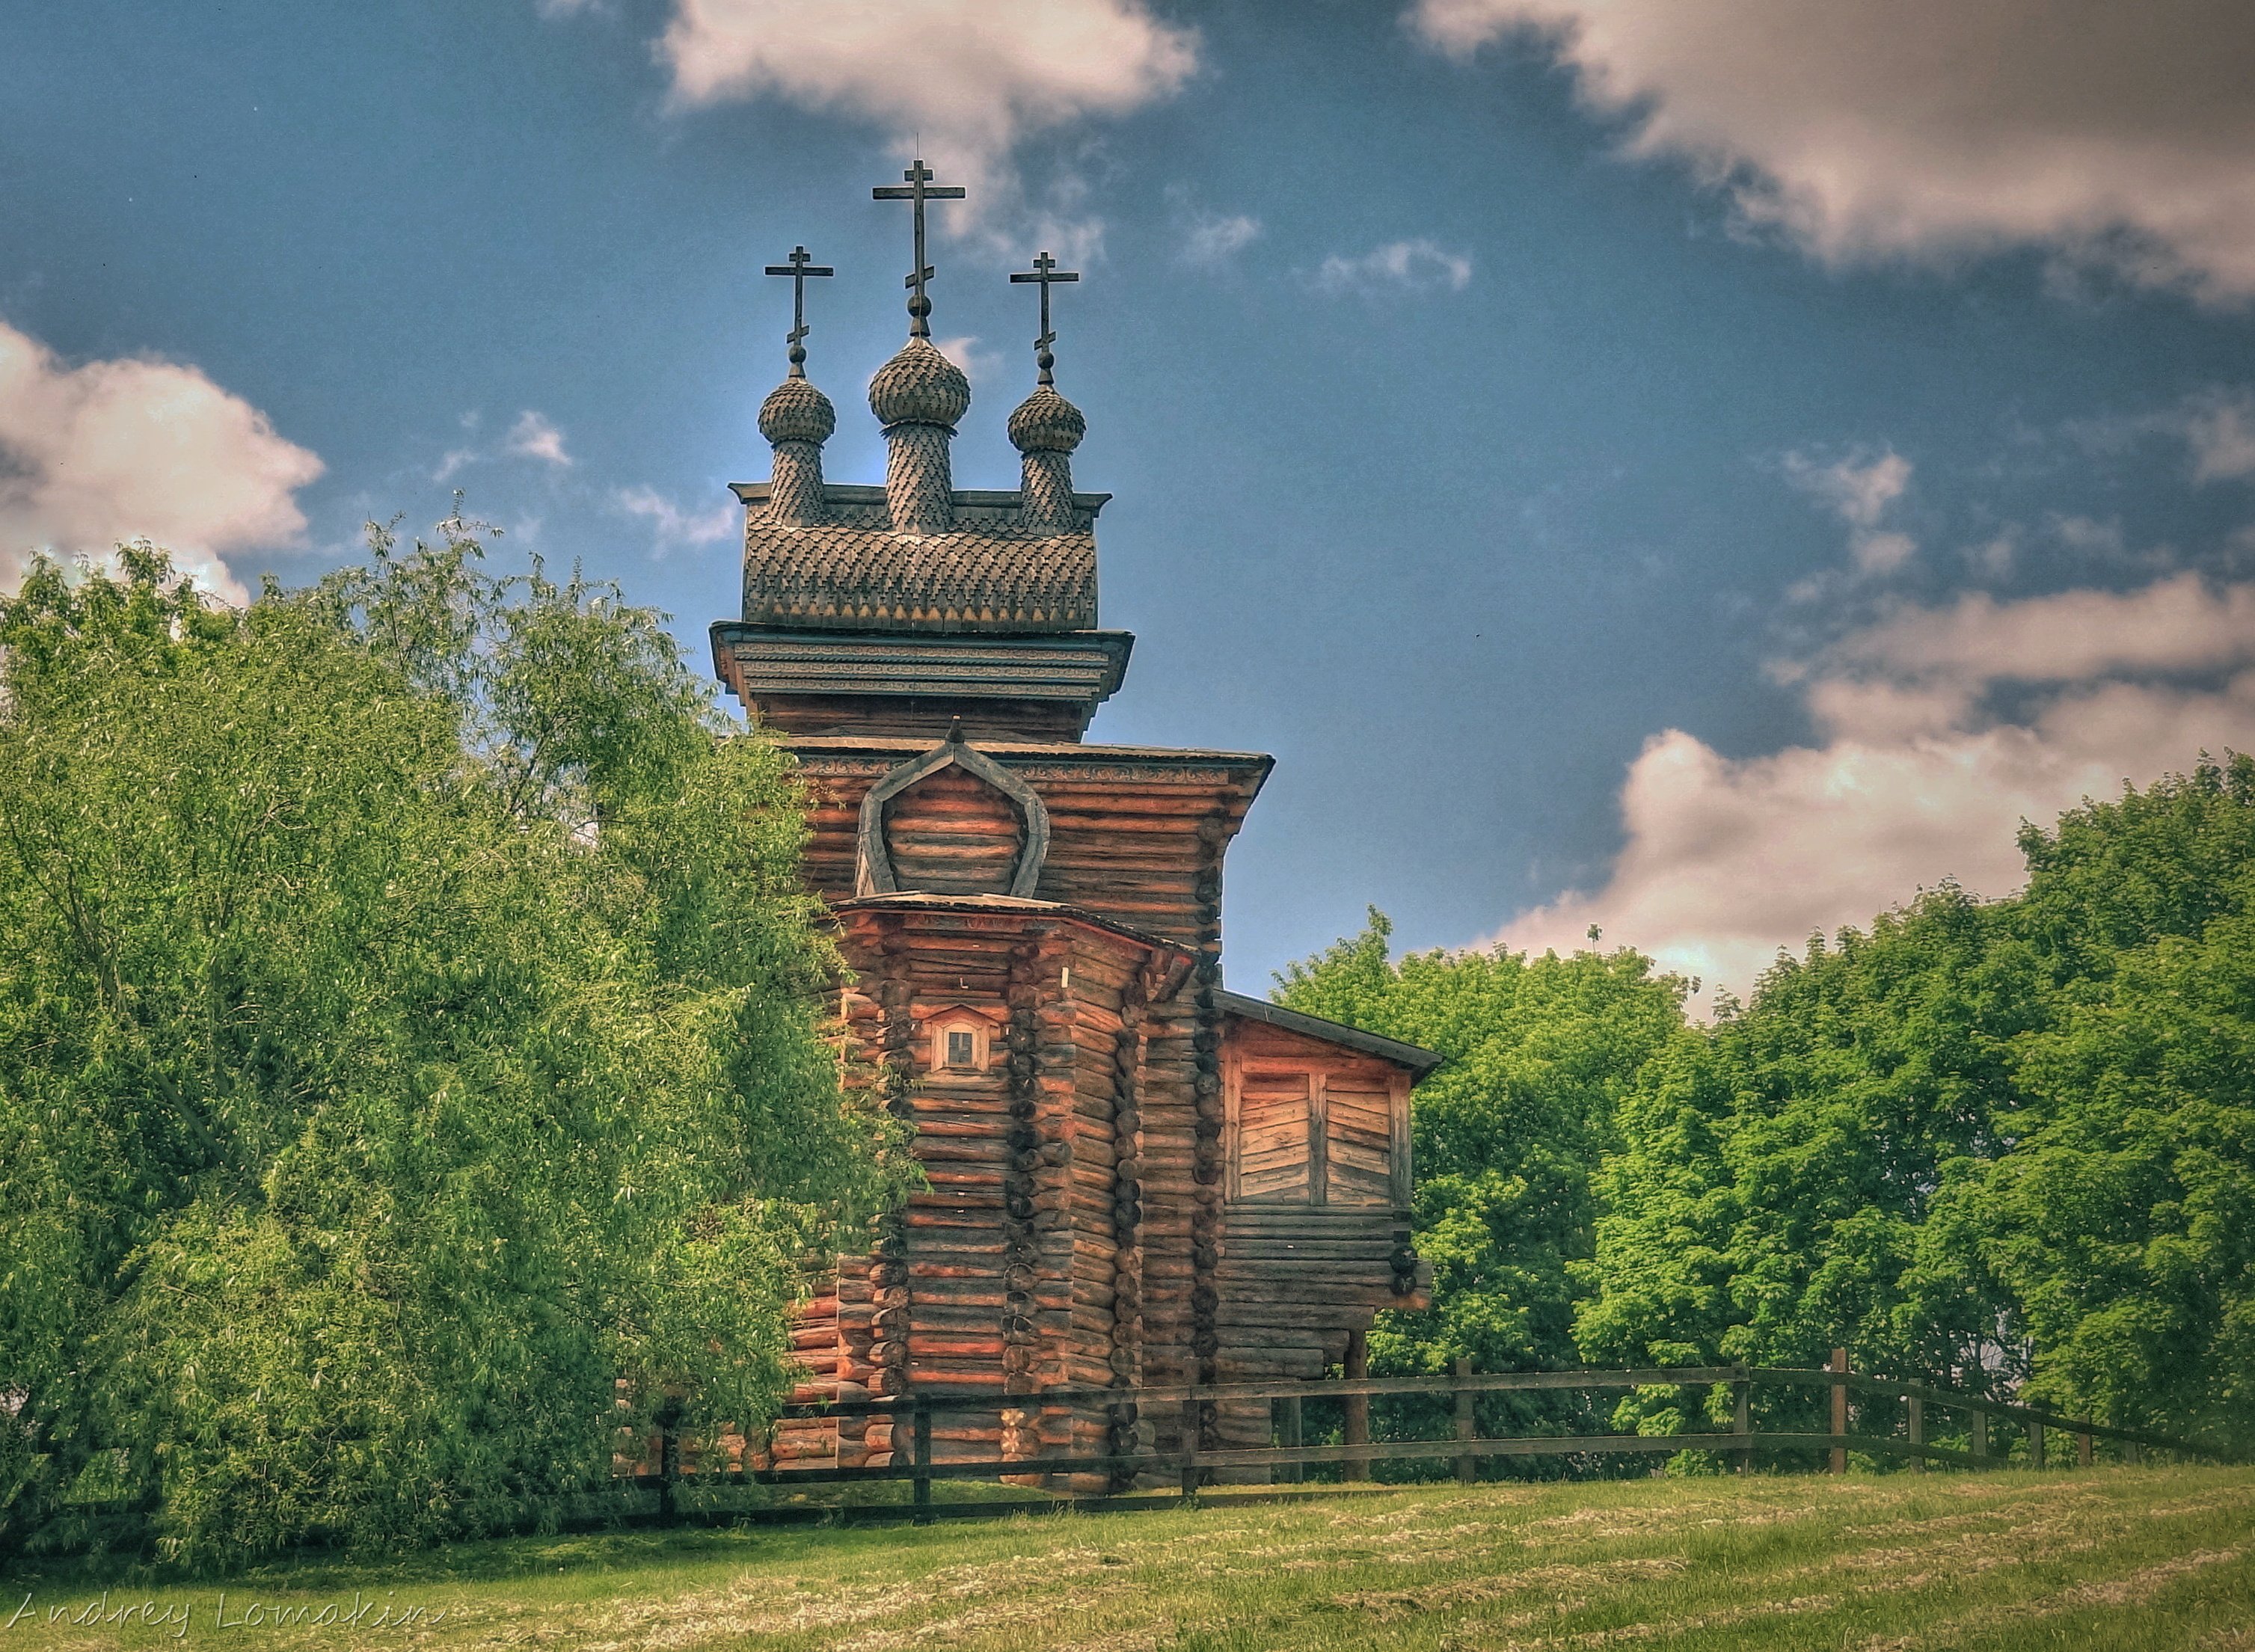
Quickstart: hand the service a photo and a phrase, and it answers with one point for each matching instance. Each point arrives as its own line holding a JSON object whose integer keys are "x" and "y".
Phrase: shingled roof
{"x": 852, "y": 571}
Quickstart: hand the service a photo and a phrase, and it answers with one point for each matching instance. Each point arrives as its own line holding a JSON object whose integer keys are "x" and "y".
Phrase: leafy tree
{"x": 2120, "y": 1226}
{"x": 1775, "y": 1172}
{"x": 2007, "y": 1144}
{"x": 408, "y": 1029}
{"x": 1773, "y": 1177}
{"x": 1507, "y": 1133}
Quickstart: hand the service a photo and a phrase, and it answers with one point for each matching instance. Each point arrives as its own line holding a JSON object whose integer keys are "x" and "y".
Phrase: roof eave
{"x": 1419, "y": 1060}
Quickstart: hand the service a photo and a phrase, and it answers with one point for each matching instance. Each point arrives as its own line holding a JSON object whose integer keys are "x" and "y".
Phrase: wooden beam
{"x": 1466, "y": 1467}
{"x": 1840, "y": 1410}
{"x": 1358, "y": 1405}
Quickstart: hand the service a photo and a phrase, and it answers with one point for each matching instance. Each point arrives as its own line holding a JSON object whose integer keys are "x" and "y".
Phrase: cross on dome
{"x": 1046, "y": 272}
{"x": 919, "y": 188}
{"x": 798, "y": 268}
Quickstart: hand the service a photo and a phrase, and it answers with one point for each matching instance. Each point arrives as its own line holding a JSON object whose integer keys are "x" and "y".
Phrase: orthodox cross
{"x": 1045, "y": 272}
{"x": 919, "y": 189}
{"x": 799, "y": 269}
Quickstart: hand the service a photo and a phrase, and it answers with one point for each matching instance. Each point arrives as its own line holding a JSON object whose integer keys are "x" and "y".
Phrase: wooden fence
{"x": 1189, "y": 1468}
{"x": 1992, "y": 1429}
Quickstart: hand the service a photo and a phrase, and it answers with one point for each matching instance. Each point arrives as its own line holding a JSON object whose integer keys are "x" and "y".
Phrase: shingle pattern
{"x": 1046, "y": 423}
{"x": 921, "y": 386}
{"x": 853, "y": 572}
{"x": 918, "y": 479}
{"x": 795, "y": 411}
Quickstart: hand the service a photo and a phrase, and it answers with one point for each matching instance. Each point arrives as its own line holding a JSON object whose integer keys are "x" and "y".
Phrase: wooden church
{"x": 1134, "y": 1176}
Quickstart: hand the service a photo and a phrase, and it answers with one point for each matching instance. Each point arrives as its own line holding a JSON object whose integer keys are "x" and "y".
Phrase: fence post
{"x": 2035, "y": 1445}
{"x": 1189, "y": 1443}
{"x": 2082, "y": 1450}
{"x": 2133, "y": 1453}
{"x": 668, "y": 1461}
{"x": 1357, "y": 1406}
{"x": 1917, "y": 1432}
{"x": 1290, "y": 1433}
{"x": 1742, "y": 1418}
{"x": 1980, "y": 1438}
{"x": 920, "y": 1434}
{"x": 1839, "y": 1408}
{"x": 1467, "y": 1466}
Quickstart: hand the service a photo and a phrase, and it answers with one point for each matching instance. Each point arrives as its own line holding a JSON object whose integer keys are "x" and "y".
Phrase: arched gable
{"x": 954, "y": 846}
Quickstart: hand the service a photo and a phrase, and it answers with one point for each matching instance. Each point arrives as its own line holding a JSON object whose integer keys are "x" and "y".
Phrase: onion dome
{"x": 919, "y": 386}
{"x": 795, "y": 411}
{"x": 1046, "y": 423}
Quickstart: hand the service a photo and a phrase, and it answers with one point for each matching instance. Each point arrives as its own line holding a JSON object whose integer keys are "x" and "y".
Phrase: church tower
{"x": 1136, "y": 1177}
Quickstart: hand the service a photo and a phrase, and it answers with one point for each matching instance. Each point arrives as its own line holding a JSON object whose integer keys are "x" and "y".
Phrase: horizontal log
{"x": 930, "y": 1346}
{"x": 1329, "y": 1222}
{"x": 1250, "y": 1277}
{"x": 1340, "y": 1314}
{"x": 1559, "y": 1445}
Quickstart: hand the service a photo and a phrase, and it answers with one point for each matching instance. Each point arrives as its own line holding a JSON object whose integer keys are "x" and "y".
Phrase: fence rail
{"x": 1188, "y": 1466}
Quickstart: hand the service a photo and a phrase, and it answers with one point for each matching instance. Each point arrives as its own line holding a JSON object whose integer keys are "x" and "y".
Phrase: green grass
{"x": 2127, "y": 1560}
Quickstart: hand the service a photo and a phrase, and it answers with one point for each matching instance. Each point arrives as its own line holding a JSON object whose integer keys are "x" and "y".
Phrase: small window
{"x": 957, "y": 1043}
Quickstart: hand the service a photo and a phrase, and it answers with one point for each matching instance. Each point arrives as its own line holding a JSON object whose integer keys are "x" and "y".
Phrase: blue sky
{"x": 1700, "y": 469}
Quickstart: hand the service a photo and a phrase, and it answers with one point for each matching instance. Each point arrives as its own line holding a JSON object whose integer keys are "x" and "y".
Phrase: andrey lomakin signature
{"x": 258, "y": 1614}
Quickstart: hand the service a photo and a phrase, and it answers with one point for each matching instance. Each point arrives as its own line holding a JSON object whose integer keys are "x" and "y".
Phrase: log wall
{"x": 1020, "y": 1267}
{"x": 1135, "y": 836}
{"x": 1086, "y": 1221}
{"x": 952, "y": 834}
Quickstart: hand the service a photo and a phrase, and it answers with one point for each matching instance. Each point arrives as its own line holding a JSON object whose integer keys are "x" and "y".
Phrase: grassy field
{"x": 2127, "y": 1560}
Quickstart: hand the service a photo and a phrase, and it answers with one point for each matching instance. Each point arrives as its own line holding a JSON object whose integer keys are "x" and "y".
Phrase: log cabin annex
{"x": 1134, "y": 1176}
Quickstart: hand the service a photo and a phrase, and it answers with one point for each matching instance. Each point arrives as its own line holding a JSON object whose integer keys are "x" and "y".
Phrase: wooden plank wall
{"x": 1141, "y": 843}
{"x": 1318, "y": 1220}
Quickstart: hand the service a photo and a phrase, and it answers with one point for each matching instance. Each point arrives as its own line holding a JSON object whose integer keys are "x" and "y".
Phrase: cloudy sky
{"x": 1704, "y": 469}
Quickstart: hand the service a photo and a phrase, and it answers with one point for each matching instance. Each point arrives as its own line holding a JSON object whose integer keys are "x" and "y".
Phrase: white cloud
{"x": 2087, "y": 537}
{"x": 457, "y": 459}
{"x": 675, "y": 528}
{"x": 971, "y": 77}
{"x": 1994, "y": 557}
{"x": 1419, "y": 265}
{"x": 1861, "y": 494}
{"x": 2220, "y": 429}
{"x": 978, "y": 366}
{"x": 115, "y": 450}
{"x": 2118, "y": 136}
{"x": 2216, "y": 425}
{"x": 2174, "y": 627}
{"x": 1918, "y": 776}
{"x": 1213, "y": 238}
{"x": 533, "y": 436}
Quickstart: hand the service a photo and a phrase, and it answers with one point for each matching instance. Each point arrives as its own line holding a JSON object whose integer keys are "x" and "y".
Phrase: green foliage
{"x": 2006, "y": 1144}
{"x": 1507, "y": 1133}
{"x": 2009, "y": 1145}
{"x": 408, "y": 1027}
{"x": 1774, "y": 1175}
{"x": 2118, "y": 1231}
